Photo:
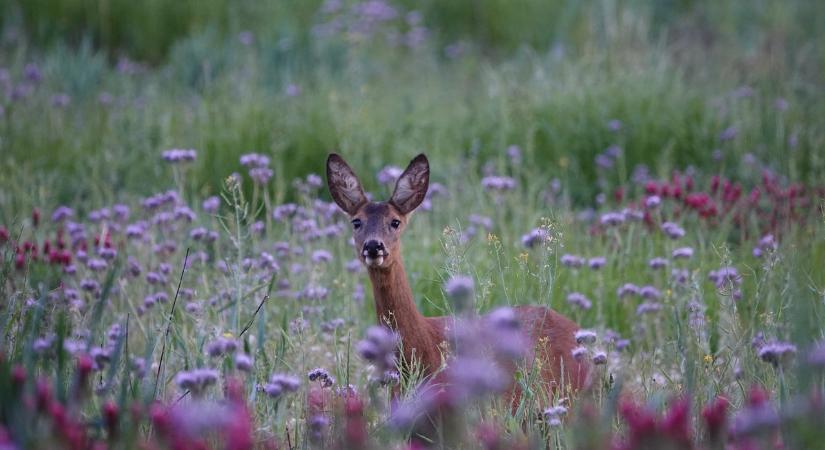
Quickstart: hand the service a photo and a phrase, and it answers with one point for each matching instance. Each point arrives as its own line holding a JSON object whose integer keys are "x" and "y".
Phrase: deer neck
{"x": 394, "y": 304}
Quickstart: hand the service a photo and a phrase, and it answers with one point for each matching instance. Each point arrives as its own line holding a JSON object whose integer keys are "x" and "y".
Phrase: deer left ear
{"x": 412, "y": 185}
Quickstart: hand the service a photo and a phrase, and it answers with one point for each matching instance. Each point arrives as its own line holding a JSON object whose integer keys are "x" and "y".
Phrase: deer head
{"x": 377, "y": 226}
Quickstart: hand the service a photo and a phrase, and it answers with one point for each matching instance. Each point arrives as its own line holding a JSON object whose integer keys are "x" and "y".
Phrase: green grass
{"x": 546, "y": 76}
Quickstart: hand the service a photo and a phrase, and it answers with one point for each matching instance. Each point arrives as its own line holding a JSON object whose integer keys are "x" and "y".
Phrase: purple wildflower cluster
{"x": 460, "y": 289}
{"x": 378, "y": 348}
{"x": 370, "y": 20}
{"x": 258, "y": 166}
{"x": 498, "y": 184}
{"x": 321, "y": 376}
{"x": 535, "y": 237}
{"x": 280, "y": 384}
{"x": 197, "y": 380}
{"x": 179, "y": 155}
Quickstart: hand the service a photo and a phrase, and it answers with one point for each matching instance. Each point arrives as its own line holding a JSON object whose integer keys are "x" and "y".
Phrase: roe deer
{"x": 377, "y": 228}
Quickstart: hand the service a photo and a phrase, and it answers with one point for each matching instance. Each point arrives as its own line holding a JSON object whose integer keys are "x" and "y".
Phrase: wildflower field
{"x": 176, "y": 275}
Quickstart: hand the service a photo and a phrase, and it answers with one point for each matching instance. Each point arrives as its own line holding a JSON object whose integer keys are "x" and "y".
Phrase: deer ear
{"x": 412, "y": 185}
{"x": 344, "y": 185}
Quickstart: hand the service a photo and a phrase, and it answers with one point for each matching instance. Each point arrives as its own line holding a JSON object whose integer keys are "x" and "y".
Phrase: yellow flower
{"x": 708, "y": 359}
{"x": 563, "y": 162}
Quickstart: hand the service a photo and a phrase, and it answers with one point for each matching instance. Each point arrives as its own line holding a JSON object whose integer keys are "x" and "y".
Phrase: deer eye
{"x": 356, "y": 223}
{"x": 395, "y": 223}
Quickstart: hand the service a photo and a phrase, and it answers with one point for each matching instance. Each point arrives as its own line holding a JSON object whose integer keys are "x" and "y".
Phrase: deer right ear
{"x": 344, "y": 185}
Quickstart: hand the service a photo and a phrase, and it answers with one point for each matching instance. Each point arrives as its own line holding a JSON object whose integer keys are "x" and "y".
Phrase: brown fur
{"x": 551, "y": 334}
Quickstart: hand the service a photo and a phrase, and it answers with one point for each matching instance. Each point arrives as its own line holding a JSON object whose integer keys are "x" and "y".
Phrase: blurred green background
{"x": 93, "y": 91}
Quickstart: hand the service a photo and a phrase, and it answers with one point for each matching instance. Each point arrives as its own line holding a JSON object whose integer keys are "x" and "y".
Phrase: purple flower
{"x": 321, "y": 256}
{"x": 211, "y": 204}
{"x": 389, "y": 174}
{"x": 673, "y": 230}
{"x": 282, "y": 212}
{"x": 61, "y": 100}
{"x": 614, "y": 125}
{"x": 680, "y": 276}
{"x": 315, "y": 181}
{"x": 766, "y": 244}
{"x": 483, "y": 221}
{"x": 136, "y": 230}
{"x": 682, "y": 253}
{"x": 627, "y": 289}
{"x": 498, "y": 183}
{"x": 657, "y": 263}
{"x": 121, "y": 212}
{"x": 578, "y": 299}
{"x": 196, "y": 380}
{"x": 647, "y": 308}
{"x": 585, "y": 337}
{"x": 573, "y": 261}
{"x": 332, "y": 325}
{"x": 777, "y": 353}
{"x": 155, "y": 278}
{"x": 292, "y": 90}
{"x": 89, "y": 285}
{"x": 633, "y": 214}
{"x": 501, "y": 329}
{"x": 379, "y": 347}
{"x": 653, "y": 201}
{"x": 535, "y": 237}
{"x": 322, "y": 376}
{"x": 603, "y": 161}
{"x": 246, "y": 38}
{"x": 612, "y": 219}
{"x": 600, "y": 358}
{"x": 354, "y": 265}
{"x": 650, "y": 293}
{"x": 198, "y": 233}
{"x": 597, "y": 262}
{"x": 61, "y": 213}
{"x": 755, "y": 419}
{"x": 816, "y": 357}
{"x": 555, "y": 411}
{"x": 476, "y": 376}
{"x": 221, "y": 346}
{"x": 243, "y": 362}
{"x": 97, "y": 265}
{"x": 177, "y": 155}
{"x": 260, "y": 175}
{"x": 460, "y": 288}
{"x": 579, "y": 353}
{"x": 728, "y": 134}
{"x": 514, "y": 153}
{"x": 725, "y": 276}
{"x": 280, "y": 384}
{"x": 32, "y": 73}
{"x": 314, "y": 292}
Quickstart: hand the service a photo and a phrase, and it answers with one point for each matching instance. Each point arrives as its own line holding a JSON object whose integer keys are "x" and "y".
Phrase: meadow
{"x": 175, "y": 274}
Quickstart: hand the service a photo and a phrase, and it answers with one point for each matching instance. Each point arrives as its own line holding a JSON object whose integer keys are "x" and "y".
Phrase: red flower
{"x": 110, "y": 417}
{"x": 676, "y": 423}
{"x": 715, "y": 417}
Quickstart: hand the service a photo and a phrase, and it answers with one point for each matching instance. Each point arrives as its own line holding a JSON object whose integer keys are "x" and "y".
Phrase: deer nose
{"x": 374, "y": 248}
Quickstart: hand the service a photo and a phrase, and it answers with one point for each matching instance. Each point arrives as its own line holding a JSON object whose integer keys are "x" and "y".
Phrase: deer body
{"x": 376, "y": 231}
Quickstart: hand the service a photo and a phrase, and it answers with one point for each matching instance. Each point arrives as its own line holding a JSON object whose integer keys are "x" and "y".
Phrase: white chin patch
{"x": 374, "y": 262}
